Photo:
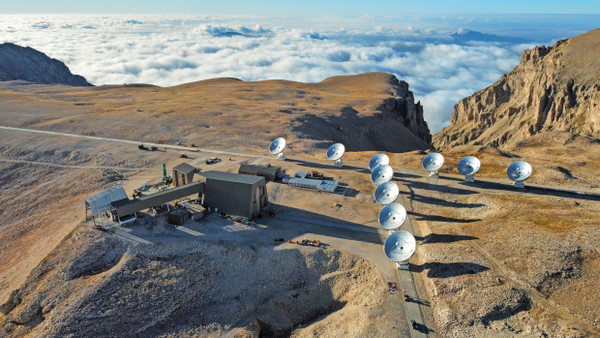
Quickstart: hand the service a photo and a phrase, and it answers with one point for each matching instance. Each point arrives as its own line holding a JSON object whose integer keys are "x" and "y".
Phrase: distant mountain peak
{"x": 28, "y": 64}
{"x": 466, "y": 35}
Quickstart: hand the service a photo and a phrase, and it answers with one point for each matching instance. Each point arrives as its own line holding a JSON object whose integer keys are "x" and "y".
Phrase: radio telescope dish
{"x": 386, "y": 193}
{"x": 400, "y": 246}
{"x": 382, "y": 174}
{"x": 433, "y": 162}
{"x": 277, "y": 147}
{"x": 392, "y": 216}
{"x": 468, "y": 166}
{"x": 335, "y": 153}
{"x": 518, "y": 172}
{"x": 377, "y": 160}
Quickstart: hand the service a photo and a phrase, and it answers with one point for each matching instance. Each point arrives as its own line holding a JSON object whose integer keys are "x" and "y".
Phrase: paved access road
{"x": 110, "y": 139}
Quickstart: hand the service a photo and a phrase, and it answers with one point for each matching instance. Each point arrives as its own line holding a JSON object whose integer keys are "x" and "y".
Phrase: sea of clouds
{"x": 440, "y": 67}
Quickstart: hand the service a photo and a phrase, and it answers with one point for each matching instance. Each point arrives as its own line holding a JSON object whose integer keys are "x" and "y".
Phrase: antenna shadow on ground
{"x": 437, "y": 187}
{"x": 437, "y": 218}
{"x": 549, "y": 191}
{"x": 317, "y": 165}
{"x": 446, "y": 270}
{"x": 444, "y": 238}
{"x": 437, "y": 201}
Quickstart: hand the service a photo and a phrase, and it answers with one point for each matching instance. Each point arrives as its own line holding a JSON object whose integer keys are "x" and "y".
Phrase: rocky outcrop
{"x": 28, "y": 64}
{"x": 402, "y": 106}
{"x": 552, "y": 89}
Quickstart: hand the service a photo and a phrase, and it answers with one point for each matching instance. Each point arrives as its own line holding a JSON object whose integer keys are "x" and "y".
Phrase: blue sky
{"x": 305, "y": 7}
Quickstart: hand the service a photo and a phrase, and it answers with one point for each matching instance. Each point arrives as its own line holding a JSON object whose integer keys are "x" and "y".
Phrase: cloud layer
{"x": 164, "y": 50}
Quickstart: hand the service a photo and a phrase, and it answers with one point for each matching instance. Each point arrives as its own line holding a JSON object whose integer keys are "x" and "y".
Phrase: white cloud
{"x": 167, "y": 50}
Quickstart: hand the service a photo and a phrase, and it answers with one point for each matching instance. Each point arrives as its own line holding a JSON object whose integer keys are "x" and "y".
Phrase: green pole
{"x": 164, "y": 170}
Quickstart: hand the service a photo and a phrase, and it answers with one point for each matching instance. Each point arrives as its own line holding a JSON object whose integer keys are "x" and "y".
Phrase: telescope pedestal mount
{"x": 403, "y": 265}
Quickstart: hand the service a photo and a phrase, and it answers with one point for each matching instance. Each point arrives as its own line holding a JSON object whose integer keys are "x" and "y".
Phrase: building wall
{"x": 240, "y": 199}
{"x": 181, "y": 178}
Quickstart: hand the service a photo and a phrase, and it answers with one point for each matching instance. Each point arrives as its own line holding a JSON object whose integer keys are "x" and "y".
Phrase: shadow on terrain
{"x": 443, "y": 238}
{"x": 436, "y": 187}
{"x": 400, "y": 175}
{"x": 547, "y": 191}
{"x": 436, "y": 218}
{"x": 418, "y": 301}
{"x": 421, "y": 327}
{"x": 446, "y": 270}
{"x": 440, "y": 202}
{"x": 358, "y": 132}
{"x": 321, "y": 224}
{"x": 317, "y": 165}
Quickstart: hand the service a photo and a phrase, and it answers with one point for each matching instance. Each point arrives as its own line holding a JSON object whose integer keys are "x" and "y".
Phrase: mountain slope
{"x": 28, "y": 64}
{"x": 372, "y": 111}
{"x": 552, "y": 89}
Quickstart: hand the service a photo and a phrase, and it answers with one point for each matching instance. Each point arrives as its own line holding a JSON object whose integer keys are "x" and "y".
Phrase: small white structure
{"x": 392, "y": 216}
{"x": 277, "y": 147}
{"x": 307, "y": 183}
{"x": 386, "y": 193}
{"x": 382, "y": 174}
{"x": 518, "y": 172}
{"x": 377, "y": 160}
{"x": 399, "y": 247}
{"x": 469, "y": 166}
{"x": 432, "y": 163}
{"x": 335, "y": 153}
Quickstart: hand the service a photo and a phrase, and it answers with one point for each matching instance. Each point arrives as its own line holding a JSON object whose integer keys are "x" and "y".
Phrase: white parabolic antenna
{"x": 277, "y": 147}
{"x": 519, "y": 171}
{"x": 400, "y": 246}
{"x": 392, "y": 216}
{"x": 335, "y": 153}
{"x": 386, "y": 193}
{"x": 433, "y": 162}
{"x": 469, "y": 165}
{"x": 382, "y": 174}
{"x": 377, "y": 160}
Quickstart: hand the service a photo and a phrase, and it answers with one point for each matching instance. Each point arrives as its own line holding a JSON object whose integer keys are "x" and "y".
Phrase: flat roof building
{"x": 268, "y": 171}
{"x": 235, "y": 194}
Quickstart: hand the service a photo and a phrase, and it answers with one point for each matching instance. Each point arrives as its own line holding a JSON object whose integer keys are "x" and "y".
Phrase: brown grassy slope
{"x": 221, "y": 112}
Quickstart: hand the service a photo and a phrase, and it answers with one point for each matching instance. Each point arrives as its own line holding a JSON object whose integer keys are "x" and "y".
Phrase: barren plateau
{"x": 491, "y": 260}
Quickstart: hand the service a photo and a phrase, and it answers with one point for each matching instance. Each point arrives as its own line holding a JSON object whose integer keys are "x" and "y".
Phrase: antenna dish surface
{"x": 519, "y": 171}
{"x": 386, "y": 193}
{"x": 335, "y": 152}
{"x": 277, "y": 145}
{"x": 392, "y": 216}
{"x": 469, "y": 165}
{"x": 382, "y": 174}
{"x": 433, "y": 162}
{"x": 377, "y": 160}
{"x": 400, "y": 246}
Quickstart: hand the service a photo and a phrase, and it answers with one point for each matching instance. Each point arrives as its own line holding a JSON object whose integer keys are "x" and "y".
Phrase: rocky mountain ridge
{"x": 403, "y": 106}
{"x": 28, "y": 64}
{"x": 553, "y": 88}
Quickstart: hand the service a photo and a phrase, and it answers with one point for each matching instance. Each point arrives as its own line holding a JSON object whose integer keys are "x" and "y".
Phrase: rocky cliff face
{"x": 28, "y": 64}
{"x": 403, "y": 106}
{"x": 552, "y": 89}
